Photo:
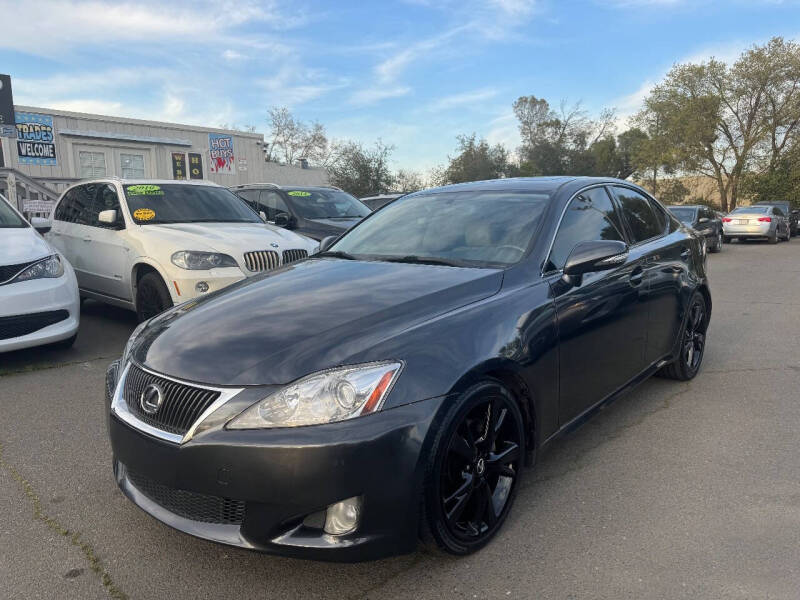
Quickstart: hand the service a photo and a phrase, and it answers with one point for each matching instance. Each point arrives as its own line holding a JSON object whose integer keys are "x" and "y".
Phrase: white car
{"x": 38, "y": 292}
{"x": 147, "y": 245}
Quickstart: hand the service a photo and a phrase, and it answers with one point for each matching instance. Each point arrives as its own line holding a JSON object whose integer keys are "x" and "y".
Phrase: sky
{"x": 414, "y": 73}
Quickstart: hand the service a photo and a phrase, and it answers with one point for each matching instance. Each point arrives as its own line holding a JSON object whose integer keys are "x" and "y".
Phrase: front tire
{"x": 717, "y": 247}
{"x": 474, "y": 469}
{"x": 693, "y": 342}
{"x": 152, "y": 297}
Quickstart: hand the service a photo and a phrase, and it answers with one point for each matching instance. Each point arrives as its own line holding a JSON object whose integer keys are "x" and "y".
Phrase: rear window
{"x": 751, "y": 209}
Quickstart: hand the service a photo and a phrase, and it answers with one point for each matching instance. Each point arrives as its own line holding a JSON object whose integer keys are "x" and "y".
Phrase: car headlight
{"x": 127, "y": 351}
{"x": 333, "y": 395}
{"x": 201, "y": 261}
{"x": 47, "y": 268}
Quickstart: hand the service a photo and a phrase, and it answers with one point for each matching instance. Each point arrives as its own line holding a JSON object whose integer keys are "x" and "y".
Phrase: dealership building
{"x": 55, "y": 148}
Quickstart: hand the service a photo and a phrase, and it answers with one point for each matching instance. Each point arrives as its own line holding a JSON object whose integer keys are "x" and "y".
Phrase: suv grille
{"x": 261, "y": 260}
{"x": 290, "y": 256}
{"x": 18, "y": 325}
{"x": 182, "y": 406}
{"x": 190, "y": 505}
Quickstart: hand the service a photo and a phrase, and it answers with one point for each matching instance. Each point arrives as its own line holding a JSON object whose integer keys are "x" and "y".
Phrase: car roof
{"x": 123, "y": 181}
{"x": 544, "y": 185}
{"x": 275, "y": 186}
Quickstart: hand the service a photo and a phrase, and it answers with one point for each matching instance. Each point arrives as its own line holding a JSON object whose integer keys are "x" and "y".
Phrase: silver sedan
{"x": 764, "y": 222}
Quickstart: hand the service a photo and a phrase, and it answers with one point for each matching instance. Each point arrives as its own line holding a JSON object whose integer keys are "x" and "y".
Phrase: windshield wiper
{"x": 337, "y": 254}
{"x": 422, "y": 260}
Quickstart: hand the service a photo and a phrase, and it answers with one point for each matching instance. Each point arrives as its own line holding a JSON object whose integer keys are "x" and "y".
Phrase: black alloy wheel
{"x": 152, "y": 297}
{"x": 717, "y": 243}
{"x": 693, "y": 342}
{"x": 476, "y": 469}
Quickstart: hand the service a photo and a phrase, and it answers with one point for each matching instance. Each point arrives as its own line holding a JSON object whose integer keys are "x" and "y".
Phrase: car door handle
{"x": 637, "y": 276}
{"x": 87, "y": 239}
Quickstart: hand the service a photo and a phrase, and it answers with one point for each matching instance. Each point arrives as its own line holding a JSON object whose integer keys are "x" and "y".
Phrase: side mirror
{"x": 327, "y": 242}
{"x": 601, "y": 255}
{"x": 703, "y": 220}
{"x": 796, "y": 211}
{"x": 109, "y": 217}
{"x": 283, "y": 219}
{"x": 263, "y": 215}
{"x": 41, "y": 225}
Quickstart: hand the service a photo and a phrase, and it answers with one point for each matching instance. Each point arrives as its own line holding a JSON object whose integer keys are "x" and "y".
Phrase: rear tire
{"x": 474, "y": 470}
{"x": 717, "y": 244}
{"x": 152, "y": 297}
{"x": 773, "y": 239}
{"x": 692, "y": 342}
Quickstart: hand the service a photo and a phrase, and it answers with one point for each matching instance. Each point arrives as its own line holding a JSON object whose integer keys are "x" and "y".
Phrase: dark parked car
{"x": 394, "y": 385}
{"x": 786, "y": 209}
{"x": 314, "y": 212}
{"x": 703, "y": 220}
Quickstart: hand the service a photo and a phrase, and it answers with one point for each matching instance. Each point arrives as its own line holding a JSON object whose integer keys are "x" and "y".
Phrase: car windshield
{"x": 8, "y": 217}
{"x": 326, "y": 204}
{"x": 483, "y": 229}
{"x": 151, "y": 204}
{"x": 750, "y": 209}
{"x": 685, "y": 215}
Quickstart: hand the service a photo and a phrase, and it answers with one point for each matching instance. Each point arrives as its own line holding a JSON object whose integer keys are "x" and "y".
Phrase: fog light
{"x": 201, "y": 286}
{"x": 342, "y": 517}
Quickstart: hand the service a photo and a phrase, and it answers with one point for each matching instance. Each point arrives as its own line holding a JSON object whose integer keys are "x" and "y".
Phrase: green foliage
{"x": 477, "y": 160}
{"x": 362, "y": 171}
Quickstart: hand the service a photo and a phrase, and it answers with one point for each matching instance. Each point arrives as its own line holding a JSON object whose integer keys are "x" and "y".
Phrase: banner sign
{"x": 35, "y": 139}
{"x": 7, "y": 121}
{"x": 221, "y": 148}
{"x": 38, "y": 206}
{"x": 178, "y": 165}
{"x": 195, "y": 165}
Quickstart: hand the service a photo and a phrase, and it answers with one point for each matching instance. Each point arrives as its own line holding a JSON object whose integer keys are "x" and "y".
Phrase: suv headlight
{"x": 324, "y": 397}
{"x": 202, "y": 261}
{"x": 47, "y": 268}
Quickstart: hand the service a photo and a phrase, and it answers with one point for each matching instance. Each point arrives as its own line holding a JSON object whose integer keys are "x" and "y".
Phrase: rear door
{"x": 601, "y": 321}
{"x": 664, "y": 254}
{"x": 107, "y": 269}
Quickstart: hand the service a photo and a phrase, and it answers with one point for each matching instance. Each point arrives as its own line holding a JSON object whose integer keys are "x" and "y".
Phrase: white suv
{"x": 146, "y": 245}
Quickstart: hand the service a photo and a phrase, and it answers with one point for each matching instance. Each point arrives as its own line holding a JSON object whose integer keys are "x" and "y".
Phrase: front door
{"x": 107, "y": 265}
{"x": 601, "y": 320}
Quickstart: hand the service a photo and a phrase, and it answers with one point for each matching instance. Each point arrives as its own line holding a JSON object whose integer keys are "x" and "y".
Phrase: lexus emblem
{"x": 273, "y": 244}
{"x": 151, "y": 399}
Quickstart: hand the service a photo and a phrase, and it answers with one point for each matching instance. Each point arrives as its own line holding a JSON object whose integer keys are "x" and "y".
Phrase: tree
{"x": 715, "y": 119}
{"x": 673, "y": 191}
{"x": 291, "y": 140}
{"x": 781, "y": 181}
{"x": 476, "y": 161}
{"x": 362, "y": 171}
{"x": 406, "y": 180}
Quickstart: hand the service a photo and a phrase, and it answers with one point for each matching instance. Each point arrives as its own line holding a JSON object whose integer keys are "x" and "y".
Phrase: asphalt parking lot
{"x": 675, "y": 491}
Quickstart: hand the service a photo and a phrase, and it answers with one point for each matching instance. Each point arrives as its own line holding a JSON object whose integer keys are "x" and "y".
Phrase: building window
{"x": 132, "y": 166}
{"x": 93, "y": 164}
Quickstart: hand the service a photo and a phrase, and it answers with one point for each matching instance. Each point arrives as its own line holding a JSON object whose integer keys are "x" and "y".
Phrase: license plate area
{"x": 743, "y": 222}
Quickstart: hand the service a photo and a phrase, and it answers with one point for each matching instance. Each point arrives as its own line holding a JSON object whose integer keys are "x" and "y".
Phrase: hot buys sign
{"x": 222, "y": 158}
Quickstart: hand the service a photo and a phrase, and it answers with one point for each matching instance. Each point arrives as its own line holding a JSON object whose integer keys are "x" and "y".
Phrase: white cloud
{"x": 375, "y": 94}
{"x": 465, "y": 98}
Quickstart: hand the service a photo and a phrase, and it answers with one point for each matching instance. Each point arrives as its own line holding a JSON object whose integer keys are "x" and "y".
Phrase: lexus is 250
{"x": 393, "y": 386}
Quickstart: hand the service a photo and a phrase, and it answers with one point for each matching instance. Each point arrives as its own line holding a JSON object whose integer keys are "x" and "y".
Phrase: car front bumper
{"x": 282, "y": 480}
{"x": 29, "y": 298}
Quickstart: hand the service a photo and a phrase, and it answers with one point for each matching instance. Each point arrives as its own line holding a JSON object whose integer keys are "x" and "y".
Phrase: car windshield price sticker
{"x": 144, "y": 190}
{"x": 299, "y": 193}
{"x": 144, "y": 214}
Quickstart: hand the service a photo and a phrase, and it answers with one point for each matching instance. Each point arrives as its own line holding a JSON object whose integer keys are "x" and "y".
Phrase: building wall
{"x": 111, "y": 137}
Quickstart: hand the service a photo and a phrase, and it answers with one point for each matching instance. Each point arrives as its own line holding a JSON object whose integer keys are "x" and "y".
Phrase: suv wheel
{"x": 693, "y": 342}
{"x": 152, "y": 297}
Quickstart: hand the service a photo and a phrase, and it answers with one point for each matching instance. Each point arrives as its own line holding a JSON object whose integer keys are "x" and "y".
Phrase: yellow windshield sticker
{"x": 144, "y": 214}
{"x": 299, "y": 193}
{"x": 144, "y": 190}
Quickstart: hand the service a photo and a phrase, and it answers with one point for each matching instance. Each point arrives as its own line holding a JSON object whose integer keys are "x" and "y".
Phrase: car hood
{"x": 21, "y": 245}
{"x": 231, "y": 238}
{"x": 303, "y": 318}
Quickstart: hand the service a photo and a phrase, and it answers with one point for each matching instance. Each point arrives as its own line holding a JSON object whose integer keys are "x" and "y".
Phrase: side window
{"x": 777, "y": 211}
{"x": 83, "y": 205}
{"x": 643, "y": 220}
{"x": 589, "y": 217}
{"x": 107, "y": 199}
{"x": 272, "y": 203}
{"x": 65, "y": 207}
{"x": 250, "y": 197}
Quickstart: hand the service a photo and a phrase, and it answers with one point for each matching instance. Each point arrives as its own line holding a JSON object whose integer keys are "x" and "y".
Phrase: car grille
{"x": 190, "y": 505}
{"x": 261, "y": 260}
{"x": 290, "y": 256}
{"x": 9, "y": 271}
{"x": 182, "y": 406}
{"x": 19, "y": 325}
